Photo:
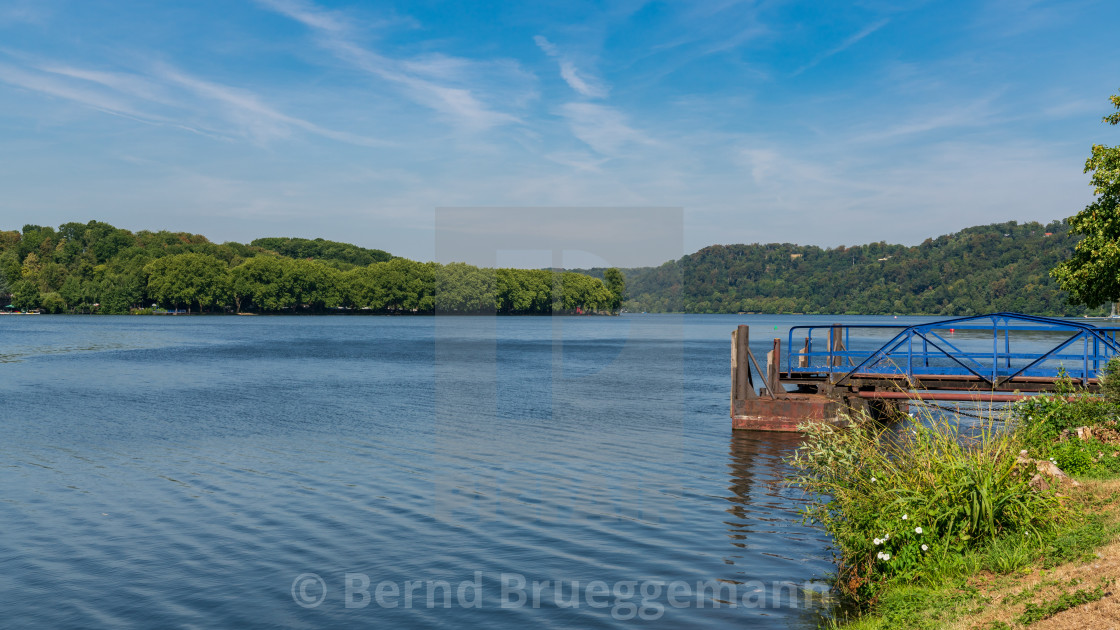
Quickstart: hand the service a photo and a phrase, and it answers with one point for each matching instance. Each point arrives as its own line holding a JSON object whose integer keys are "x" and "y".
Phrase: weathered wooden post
{"x": 803, "y": 360}
{"x": 773, "y": 370}
{"x": 742, "y": 385}
{"x": 835, "y": 344}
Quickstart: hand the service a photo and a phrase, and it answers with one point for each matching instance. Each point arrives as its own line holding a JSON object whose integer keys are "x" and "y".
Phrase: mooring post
{"x": 835, "y": 344}
{"x": 742, "y": 385}
{"x": 803, "y": 360}
{"x": 773, "y": 370}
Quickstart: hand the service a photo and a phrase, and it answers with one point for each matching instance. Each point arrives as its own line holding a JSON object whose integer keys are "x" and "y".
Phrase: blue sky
{"x": 821, "y": 123}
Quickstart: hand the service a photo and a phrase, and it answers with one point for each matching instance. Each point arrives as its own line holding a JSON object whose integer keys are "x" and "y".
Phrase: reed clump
{"x": 911, "y": 503}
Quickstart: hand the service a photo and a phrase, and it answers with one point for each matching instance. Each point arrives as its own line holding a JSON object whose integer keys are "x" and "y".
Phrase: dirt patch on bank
{"x": 1089, "y": 590}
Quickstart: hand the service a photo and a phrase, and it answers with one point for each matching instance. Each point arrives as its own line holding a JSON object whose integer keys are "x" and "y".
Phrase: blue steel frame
{"x": 899, "y": 355}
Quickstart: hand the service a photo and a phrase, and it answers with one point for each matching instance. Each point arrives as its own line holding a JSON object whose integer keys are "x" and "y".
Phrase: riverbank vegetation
{"x": 933, "y": 522}
{"x": 97, "y": 268}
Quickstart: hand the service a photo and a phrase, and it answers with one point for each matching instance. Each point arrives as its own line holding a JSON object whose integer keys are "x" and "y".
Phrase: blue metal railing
{"x": 936, "y": 348}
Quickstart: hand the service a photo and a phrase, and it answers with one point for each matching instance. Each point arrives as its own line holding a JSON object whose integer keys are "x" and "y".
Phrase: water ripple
{"x": 181, "y": 472}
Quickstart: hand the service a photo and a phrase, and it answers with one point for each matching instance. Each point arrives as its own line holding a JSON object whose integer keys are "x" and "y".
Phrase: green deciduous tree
{"x": 188, "y": 279}
{"x": 25, "y": 295}
{"x": 314, "y": 284}
{"x": 52, "y": 303}
{"x": 1092, "y": 275}
{"x": 263, "y": 281}
{"x": 523, "y": 291}
{"x": 463, "y": 288}
{"x": 364, "y": 288}
{"x": 616, "y": 284}
{"x": 578, "y": 291}
{"x": 409, "y": 286}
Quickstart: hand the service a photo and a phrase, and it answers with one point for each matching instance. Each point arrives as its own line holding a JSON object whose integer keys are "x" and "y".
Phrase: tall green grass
{"x": 905, "y": 503}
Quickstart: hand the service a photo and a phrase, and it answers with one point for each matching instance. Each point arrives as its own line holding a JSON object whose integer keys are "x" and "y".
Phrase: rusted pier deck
{"x": 996, "y": 358}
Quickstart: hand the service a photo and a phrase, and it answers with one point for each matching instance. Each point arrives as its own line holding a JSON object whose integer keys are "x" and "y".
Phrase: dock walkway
{"x": 998, "y": 357}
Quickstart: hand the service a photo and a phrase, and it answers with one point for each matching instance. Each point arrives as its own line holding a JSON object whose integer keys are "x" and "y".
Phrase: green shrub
{"x": 1072, "y": 457}
{"x": 1046, "y": 425}
{"x": 900, "y": 502}
{"x": 1110, "y": 380}
{"x": 1041, "y": 419}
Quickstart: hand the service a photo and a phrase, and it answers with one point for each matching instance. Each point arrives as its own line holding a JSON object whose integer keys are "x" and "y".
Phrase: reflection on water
{"x": 764, "y": 508}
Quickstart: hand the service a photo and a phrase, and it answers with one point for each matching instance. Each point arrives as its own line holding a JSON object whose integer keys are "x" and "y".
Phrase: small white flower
{"x": 886, "y": 537}
{"x": 886, "y": 556}
{"x": 878, "y": 542}
{"x": 917, "y": 530}
{"x": 904, "y": 517}
{"x": 925, "y": 547}
{"x": 872, "y": 480}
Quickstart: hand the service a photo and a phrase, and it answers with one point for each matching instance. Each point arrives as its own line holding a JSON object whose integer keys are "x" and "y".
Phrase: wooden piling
{"x": 774, "y": 369}
{"x": 742, "y": 385}
{"x": 835, "y": 344}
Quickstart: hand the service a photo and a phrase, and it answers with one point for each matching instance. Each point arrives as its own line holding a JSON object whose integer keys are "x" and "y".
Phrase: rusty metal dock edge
{"x": 783, "y": 414}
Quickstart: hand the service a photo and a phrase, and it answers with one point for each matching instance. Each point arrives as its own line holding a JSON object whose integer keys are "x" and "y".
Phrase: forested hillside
{"x": 97, "y": 268}
{"x": 999, "y": 267}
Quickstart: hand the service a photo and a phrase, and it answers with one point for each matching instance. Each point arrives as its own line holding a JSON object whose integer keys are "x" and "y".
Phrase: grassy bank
{"x": 935, "y": 526}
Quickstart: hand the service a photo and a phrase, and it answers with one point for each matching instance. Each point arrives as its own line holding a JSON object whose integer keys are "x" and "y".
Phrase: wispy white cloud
{"x": 261, "y": 120}
{"x": 433, "y": 81}
{"x": 844, "y": 45}
{"x": 938, "y": 117}
{"x": 570, "y": 75}
{"x": 123, "y": 83}
{"x": 1013, "y": 18}
{"x": 588, "y": 86}
{"x": 458, "y": 103}
{"x": 168, "y": 96}
{"x": 603, "y": 128}
{"x": 578, "y": 161}
{"x": 309, "y": 14}
{"x": 60, "y": 87}
{"x": 1073, "y": 107}
{"x": 548, "y": 47}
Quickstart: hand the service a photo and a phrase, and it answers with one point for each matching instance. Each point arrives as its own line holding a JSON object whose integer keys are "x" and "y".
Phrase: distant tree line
{"x": 95, "y": 267}
{"x": 998, "y": 267}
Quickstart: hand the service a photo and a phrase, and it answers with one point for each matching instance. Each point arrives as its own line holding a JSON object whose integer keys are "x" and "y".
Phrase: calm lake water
{"x": 315, "y": 472}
